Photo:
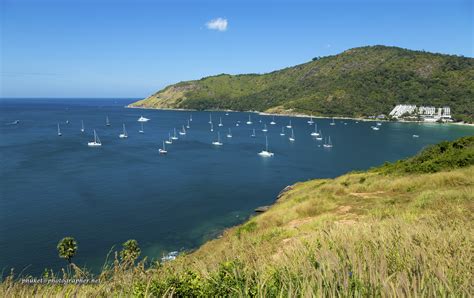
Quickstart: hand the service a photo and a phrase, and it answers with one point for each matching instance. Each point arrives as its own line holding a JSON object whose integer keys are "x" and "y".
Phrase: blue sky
{"x": 118, "y": 48}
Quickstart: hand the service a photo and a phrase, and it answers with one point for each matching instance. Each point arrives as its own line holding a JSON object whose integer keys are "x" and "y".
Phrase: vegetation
{"x": 403, "y": 229}
{"x": 67, "y": 248}
{"x": 359, "y": 82}
{"x": 131, "y": 251}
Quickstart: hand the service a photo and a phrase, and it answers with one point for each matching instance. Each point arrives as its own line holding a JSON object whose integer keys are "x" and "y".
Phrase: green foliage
{"x": 130, "y": 251}
{"x": 67, "y": 248}
{"x": 358, "y": 82}
{"x": 440, "y": 157}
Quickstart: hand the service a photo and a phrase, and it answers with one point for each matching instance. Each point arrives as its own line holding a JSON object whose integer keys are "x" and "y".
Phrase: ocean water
{"x": 52, "y": 187}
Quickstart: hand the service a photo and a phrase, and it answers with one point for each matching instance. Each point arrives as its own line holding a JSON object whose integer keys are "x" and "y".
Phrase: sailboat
{"x": 183, "y": 131}
{"x": 332, "y": 123}
{"x": 96, "y": 142}
{"x": 310, "y": 121}
{"x": 124, "y": 134}
{"x": 250, "y": 121}
{"x": 169, "y": 141}
{"x": 328, "y": 144}
{"x": 227, "y": 113}
{"x": 141, "y": 129}
{"x": 292, "y": 137}
{"x": 320, "y": 136}
{"x": 282, "y": 133}
{"x": 266, "y": 153}
{"x": 253, "y": 133}
{"x": 237, "y": 124}
{"x": 174, "y": 137}
{"x": 107, "y": 122}
{"x": 229, "y": 134}
{"x": 212, "y": 127}
{"x": 220, "y": 122}
{"x": 218, "y": 142}
{"x": 191, "y": 117}
{"x": 59, "y": 131}
{"x": 163, "y": 150}
{"x": 264, "y": 128}
{"x": 188, "y": 126}
{"x": 143, "y": 119}
{"x": 315, "y": 132}
{"x": 210, "y": 118}
{"x": 82, "y": 126}
{"x": 289, "y": 125}
{"x": 273, "y": 121}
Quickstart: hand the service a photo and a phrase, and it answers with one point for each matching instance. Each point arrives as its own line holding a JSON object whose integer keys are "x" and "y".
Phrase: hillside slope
{"x": 403, "y": 229}
{"x": 358, "y": 82}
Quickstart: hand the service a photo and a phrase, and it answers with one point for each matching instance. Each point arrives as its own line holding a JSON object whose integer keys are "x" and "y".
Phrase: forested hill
{"x": 358, "y": 82}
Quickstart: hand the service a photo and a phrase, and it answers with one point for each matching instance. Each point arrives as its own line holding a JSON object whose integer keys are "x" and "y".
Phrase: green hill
{"x": 358, "y": 82}
{"x": 402, "y": 229}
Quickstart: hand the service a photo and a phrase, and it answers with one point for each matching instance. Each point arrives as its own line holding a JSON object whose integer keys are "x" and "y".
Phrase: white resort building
{"x": 425, "y": 113}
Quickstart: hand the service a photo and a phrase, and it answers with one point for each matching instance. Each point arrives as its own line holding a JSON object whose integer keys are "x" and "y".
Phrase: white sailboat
{"x": 210, "y": 118}
{"x": 315, "y": 132}
{"x": 292, "y": 137}
{"x": 124, "y": 134}
{"x": 191, "y": 117}
{"x": 220, "y": 121}
{"x": 174, "y": 137}
{"x": 107, "y": 122}
{"x": 273, "y": 121}
{"x": 227, "y": 113}
{"x": 188, "y": 126}
{"x": 328, "y": 144}
{"x": 141, "y": 129}
{"x": 143, "y": 119}
{"x": 163, "y": 150}
{"x": 332, "y": 123}
{"x": 212, "y": 127}
{"x": 96, "y": 142}
{"x": 320, "y": 136}
{"x": 82, "y": 125}
{"x": 253, "y": 133}
{"x": 282, "y": 133}
{"x": 169, "y": 141}
{"x": 59, "y": 131}
{"x": 289, "y": 125}
{"x": 266, "y": 153}
{"x": 264, "y": 128}
{"x": 218, "y": 142}
{"x": 183, "y": 131}
{"x": 250, "y": 121}
{"x": 310, "y": 121}
{"x": 237, "y": 124}
{"x": 229, "y": 134}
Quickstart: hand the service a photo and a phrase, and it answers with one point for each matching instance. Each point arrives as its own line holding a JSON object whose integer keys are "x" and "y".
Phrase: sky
{"x": 133, "y": 48}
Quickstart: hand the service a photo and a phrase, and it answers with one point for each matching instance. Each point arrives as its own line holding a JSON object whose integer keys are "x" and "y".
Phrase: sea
{"x": 55, "y": 186}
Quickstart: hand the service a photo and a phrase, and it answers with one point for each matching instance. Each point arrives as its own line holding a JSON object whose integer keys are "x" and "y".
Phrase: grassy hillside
{"x": 403, "y": 229}
{"x": 358, "y": 82}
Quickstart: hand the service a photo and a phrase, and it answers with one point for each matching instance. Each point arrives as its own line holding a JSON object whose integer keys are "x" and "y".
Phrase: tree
{"x": 130, "y": 250}
{"x": 67, "y": 248}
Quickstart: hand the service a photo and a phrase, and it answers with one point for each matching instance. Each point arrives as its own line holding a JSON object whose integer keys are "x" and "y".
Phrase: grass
{"x": 375, "y": 233}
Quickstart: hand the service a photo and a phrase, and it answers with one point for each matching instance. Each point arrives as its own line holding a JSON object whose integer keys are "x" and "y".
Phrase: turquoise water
{"x": 53, "y": 186}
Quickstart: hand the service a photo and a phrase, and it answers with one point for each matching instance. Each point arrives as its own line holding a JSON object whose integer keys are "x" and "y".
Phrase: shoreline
{"x": 299, "y": 115}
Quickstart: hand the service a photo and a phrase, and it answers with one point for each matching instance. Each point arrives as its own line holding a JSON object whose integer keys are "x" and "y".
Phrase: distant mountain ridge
{"x": 359, "y": 82}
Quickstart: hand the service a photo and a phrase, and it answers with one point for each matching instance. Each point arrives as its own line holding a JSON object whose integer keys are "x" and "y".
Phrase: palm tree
{"x": 130, "y": 250}
{"x": 67, "y": 248}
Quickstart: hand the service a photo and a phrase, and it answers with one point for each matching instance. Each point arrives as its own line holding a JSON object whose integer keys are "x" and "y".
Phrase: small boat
{"x": 143, "y": 119}
{"x": 183, "y": 131}
{"x": 416, "y": 136}
{"x": 124, "y": 134}
{"x": 260, "y": 121}
{"x": 210, "y": 118}
{"x": 191, "y": 117}
{"x": 107, "y": 122}
{"x": 320, "y": 136}
{"x": 264, "y": 128}
{"x": 332, "y": 123}
{"x": 174, "y": 137}
{"x": 237, "y": 124}
{"x": 310, "y": 121}
{"x": 59, "y": 131}
{"x": 218, "y": 142}
{"x": 289, "y": 125}
{"x": 169, "y": 257}
{"x": 82, "y": 126}
{"x": 250, "y": 121}
{"x": 220, "y": 122}
{"x": 253, "y": 133}
{"x": 227, "y": 113}
{"x": 345, "y": 123}
{"x": 188, "y": 126}
{"x": 266, "y": 153}
{"x": 67, "y": 121}
{"x": 282, "y": 133}
{"x": 169, "y": 141}
{"x": 328, "y": 144}
{"x": 379, "y": 123}
{"x": 15, "y": 122}
{"x": 273, "y": 121}
{"x": 163, "y": 150}
{"x": 292, "y": 137}
{"x": 375, "y": 128}
{"x": 229, "y": 134}
{"x": 96, "y": 142}
{"x": 141, "y": 129}
{"x": 315, "y": 132}
{"x": 212, "y": 127}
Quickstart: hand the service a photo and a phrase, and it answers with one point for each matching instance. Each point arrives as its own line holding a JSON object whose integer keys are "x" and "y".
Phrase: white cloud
{"x": 218, "y": 24}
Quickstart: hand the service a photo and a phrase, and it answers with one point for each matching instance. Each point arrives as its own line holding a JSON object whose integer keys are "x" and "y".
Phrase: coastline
{"x": 299, "y": 115}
